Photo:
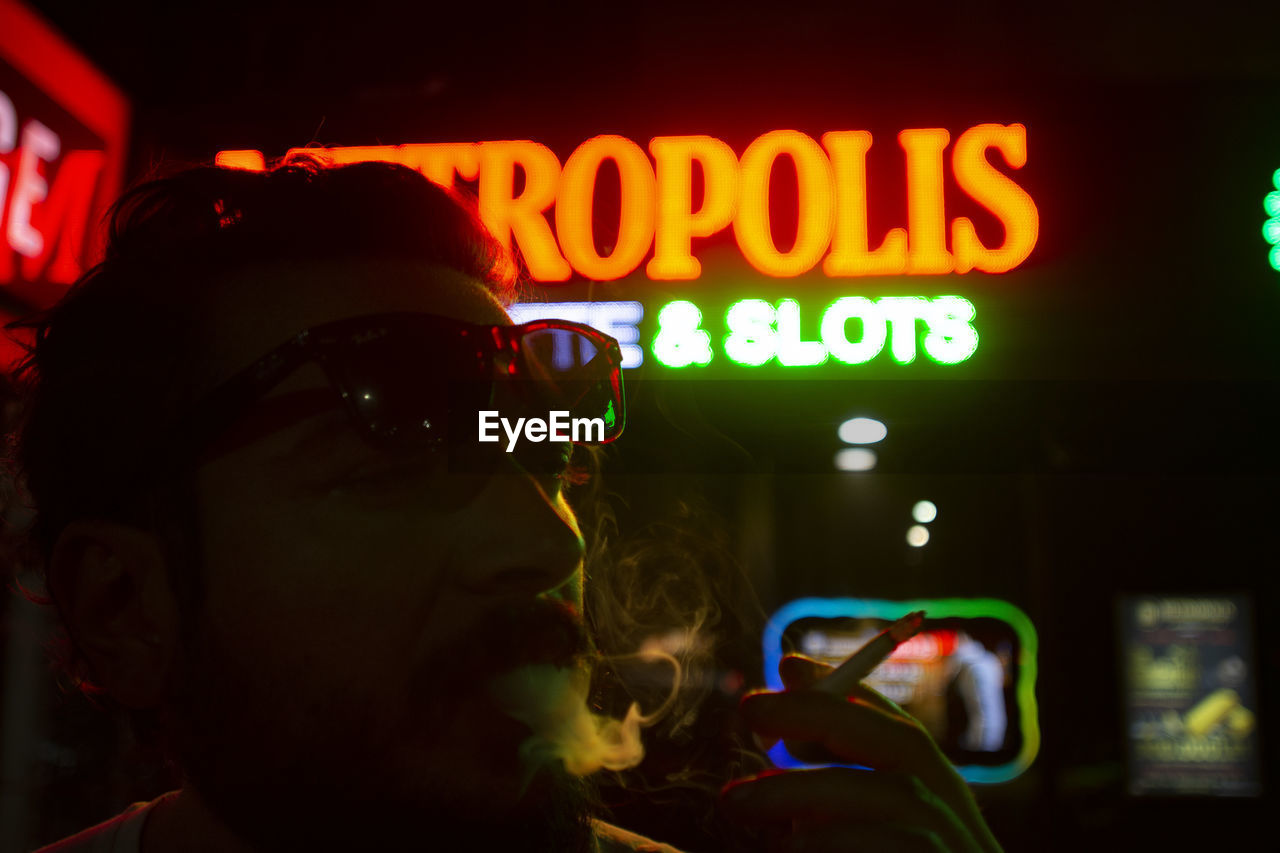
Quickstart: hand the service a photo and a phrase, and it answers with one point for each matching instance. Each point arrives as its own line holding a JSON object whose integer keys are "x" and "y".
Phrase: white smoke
{"x": 553, "y": 702}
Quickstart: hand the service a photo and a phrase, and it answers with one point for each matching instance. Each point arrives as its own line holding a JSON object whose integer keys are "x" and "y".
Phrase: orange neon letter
{"x": 574, "y": 207}
{"x": 850, "y": 247}
{"x": 248, "y": 159}
{"x": 676, "y": 224}
{"x": 507, "y": 215}
{"x": 993, "y": 190}
{"x": 926, "y": 218}
{"x": 813, "y": 223}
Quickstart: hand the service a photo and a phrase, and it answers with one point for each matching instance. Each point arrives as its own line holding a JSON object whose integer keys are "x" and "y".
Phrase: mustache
{"x": 538, "y": 631}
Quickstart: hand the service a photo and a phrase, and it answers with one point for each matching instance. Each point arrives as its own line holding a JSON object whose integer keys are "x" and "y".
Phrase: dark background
{"x": 1114, "y": 433}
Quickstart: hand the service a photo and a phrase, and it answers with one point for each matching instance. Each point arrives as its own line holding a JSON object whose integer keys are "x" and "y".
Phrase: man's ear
{"x": 112, "y": 586}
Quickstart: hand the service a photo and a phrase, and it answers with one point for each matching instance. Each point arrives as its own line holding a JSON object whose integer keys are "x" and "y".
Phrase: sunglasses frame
{"x": 221, "y": 408}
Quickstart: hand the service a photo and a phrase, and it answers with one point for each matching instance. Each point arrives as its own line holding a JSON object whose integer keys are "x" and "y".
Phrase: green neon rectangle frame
{"x": 935, "y": 608}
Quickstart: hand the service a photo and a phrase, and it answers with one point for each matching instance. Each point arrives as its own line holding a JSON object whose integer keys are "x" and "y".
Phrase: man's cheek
{"x": 314, "y": 639}
{"x": 300, "y": 567}
{"x": 306, "y": 623}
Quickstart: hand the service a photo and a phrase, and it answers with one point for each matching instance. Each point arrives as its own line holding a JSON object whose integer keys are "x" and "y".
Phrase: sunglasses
{"x": 414, "y": 381}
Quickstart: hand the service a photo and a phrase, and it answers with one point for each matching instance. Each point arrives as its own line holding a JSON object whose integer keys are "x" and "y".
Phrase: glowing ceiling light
{"x": 924, "y": 511}
{"x": 917, "y": 535}
{"x": 862, "y": 431}
{"x": 855, "y": 459}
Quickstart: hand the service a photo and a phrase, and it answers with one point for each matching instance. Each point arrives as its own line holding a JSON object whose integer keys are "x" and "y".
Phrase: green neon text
{"x": 852, "y": 330}
{"x": 1271, "y": 228}
{"x": 680, "y": 341}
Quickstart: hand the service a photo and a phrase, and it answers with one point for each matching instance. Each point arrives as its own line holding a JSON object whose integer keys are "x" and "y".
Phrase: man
{"x": 271, "y": 537}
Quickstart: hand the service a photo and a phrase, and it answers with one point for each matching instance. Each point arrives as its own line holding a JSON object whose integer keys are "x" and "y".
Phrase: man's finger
{"x": 863, "y": 693}
{"x": 860, "y": 733}
{"x": 841, "y": 794}
{"x": 799, "y": 672}
{"x": 852, "y": 731}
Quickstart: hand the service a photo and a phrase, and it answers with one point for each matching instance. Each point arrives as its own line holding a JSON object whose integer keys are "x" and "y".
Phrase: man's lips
{"x": 555, "y": 636}
{"x": 454, "y": 684}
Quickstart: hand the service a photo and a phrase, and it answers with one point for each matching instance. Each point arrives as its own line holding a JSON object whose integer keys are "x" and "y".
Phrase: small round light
{"x": 1271, "y": 229}
{"x": 924, "y": 511}
{"x": 862, "y": 431}
{"x": 917, "y": 535}
{"x": 855, "y": 459}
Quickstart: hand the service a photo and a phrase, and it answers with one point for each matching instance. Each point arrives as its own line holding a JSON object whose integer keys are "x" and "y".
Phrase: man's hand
{"x": 912, "y": 799}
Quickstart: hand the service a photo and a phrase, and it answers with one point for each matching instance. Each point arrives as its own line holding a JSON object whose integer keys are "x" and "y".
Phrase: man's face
{"x": 352, "y": 609}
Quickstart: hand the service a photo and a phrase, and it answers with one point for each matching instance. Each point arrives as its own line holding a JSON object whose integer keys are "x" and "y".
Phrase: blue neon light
{"x": 936, "y": 608}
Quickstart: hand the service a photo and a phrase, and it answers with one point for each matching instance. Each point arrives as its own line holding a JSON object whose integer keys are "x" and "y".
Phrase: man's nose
{"x": 527, "y": 540}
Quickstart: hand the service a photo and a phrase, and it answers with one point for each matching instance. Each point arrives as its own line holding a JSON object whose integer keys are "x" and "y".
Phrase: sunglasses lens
{"x": 397, "y": 384}
{"x": 573, "y": 371}
{"x": 412, "y": 386}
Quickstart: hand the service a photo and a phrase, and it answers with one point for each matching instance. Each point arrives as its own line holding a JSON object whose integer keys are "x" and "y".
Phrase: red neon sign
{"x": 658, "y": 215}
{"x": 63, "y": 132}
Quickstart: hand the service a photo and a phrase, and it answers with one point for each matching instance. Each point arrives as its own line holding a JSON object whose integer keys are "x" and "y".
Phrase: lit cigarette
{"x": 843, "y": 679}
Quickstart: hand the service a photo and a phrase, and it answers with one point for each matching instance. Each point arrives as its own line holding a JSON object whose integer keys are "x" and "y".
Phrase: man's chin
{"x": 441, "y": 758}
{"x": 478, "y": 756}
{"x": 450, "y": 801}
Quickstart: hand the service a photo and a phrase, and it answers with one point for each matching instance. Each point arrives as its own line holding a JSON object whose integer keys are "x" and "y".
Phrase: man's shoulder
{"x": 615, "y": 839}
{"x": 120, "y": 834}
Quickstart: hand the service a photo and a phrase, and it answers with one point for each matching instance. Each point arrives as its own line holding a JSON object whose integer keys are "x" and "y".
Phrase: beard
{"x": 329, "y": 770}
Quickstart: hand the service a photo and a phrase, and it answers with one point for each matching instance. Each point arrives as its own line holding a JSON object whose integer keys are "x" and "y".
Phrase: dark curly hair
{"x": 114, "y": 364}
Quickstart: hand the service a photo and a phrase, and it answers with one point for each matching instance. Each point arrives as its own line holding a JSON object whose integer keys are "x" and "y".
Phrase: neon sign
{"x": 1271, "y": 228}
{"x": 854, "y": 330}
{"x": 901, "y": 676}
{"x": 63, "y": 133}
{"x": 658, "y": 220}
{"x": 759, "y": 332}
